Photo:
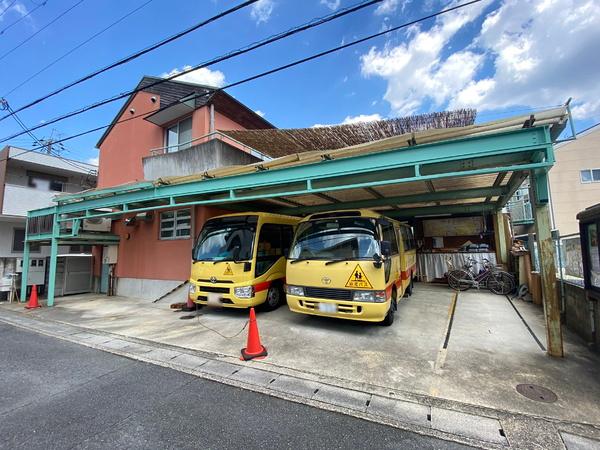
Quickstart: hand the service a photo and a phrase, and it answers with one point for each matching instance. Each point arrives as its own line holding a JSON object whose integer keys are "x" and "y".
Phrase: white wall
{"x": 18, "y": 199}
{"x": 6, "y": 239}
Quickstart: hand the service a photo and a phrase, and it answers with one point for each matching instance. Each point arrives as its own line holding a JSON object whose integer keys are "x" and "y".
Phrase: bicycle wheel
{"x": 460, "y": 280}
{"x": 501, "y": 283}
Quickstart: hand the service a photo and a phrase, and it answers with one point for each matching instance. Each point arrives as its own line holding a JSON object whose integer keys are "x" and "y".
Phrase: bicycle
{"x": 498, "y": 281}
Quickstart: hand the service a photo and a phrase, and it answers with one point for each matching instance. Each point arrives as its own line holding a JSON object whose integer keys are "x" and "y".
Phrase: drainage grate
{"x": 537, "y": 393}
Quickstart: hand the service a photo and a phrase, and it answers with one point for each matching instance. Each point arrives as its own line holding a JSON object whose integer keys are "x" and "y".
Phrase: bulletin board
{"x": 456, "y": 226}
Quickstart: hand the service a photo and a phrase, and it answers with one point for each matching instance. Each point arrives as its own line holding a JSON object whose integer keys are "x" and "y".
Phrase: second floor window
{"x": 178, "y": 136}
{"x": 590, "y": 175}
{"x": 46, "y": 182}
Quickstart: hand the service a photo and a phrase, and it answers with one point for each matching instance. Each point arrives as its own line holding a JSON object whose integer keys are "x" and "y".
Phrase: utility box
{"x": 110, "y": 254}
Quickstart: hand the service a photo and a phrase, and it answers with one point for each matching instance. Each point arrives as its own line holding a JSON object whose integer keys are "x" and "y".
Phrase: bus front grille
{"x": 328, "y": 293}
{"x": 216, "y": 289}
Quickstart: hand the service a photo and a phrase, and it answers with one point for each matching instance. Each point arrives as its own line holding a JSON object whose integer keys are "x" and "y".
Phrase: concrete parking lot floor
{"x": 477, "y": 356}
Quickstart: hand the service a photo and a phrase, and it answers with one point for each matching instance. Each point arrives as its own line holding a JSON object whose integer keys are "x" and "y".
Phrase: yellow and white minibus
{"x": 238, "y": 260}
{"x": 350, "y": 264}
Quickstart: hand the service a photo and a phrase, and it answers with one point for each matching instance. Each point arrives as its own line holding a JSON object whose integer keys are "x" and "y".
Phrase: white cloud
{"x": 261, "y": 11}
{"x": 260, "y": 113}
{"x": 94, "y": 161}
{"x": 351, "y": 120}
{"x": 331, "y": 4}
{"x": 214, "y": 78}
{"x": 415, "y": 70}
{"x": 361, "y": 118}
{"x": 7, "y": 6}
{"x": 523, "y": 54}
{"x": 390, "y": 6}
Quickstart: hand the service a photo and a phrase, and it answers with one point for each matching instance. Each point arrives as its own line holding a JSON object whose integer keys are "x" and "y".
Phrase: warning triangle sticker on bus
{"x": 358, "y": 279}
{"x": 228, "y": 270}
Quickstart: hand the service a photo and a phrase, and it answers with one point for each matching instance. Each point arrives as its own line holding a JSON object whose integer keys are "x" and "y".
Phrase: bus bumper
{"x": 222, "y": 295}
{"x": 364, "y": 311}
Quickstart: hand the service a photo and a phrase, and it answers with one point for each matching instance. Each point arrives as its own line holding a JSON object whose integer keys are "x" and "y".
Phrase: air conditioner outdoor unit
{"x": 97, "y": 224}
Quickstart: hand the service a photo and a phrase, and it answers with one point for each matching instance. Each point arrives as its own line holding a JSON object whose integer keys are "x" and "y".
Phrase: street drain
{"x": 537, "y": 393}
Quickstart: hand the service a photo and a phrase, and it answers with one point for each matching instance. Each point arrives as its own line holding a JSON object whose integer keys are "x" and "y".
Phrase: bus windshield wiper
{"x": 333, "y": 261}
{"x": 294, "y": 261}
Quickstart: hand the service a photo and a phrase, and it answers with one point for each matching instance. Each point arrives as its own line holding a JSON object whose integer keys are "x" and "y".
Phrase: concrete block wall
{"x": 577, "y": 313}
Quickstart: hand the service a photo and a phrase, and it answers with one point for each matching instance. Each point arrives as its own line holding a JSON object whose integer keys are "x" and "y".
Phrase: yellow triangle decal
{"x": 358, "y": 279}
{"x": 228, "y": 270}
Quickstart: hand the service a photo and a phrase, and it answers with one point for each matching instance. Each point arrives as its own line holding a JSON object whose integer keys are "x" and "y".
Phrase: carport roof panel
{"x": 389, "y": 162}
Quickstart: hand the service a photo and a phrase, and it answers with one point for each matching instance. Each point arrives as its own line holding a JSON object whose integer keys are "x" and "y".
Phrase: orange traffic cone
{"x": 254, "y": 349}
{"x": 189, "y": 305}
{"x": 33, "y": 299}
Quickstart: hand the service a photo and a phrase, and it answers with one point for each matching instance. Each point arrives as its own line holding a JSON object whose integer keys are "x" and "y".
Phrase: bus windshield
{"x": 336, "y": 238}
{"x": 226, "y": 239}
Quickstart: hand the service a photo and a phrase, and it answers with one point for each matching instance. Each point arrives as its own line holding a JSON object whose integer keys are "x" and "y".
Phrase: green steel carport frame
{"x": 513, "y": 155}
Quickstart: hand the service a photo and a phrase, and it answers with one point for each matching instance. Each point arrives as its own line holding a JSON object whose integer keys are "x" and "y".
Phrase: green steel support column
{"x": 25, "y": 272}
{"x": 53, "y": 261}
{"x": 545, "y": 243}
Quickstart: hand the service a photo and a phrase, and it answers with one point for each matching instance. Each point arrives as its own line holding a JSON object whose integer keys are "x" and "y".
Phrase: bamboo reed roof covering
{"x": 281, "y": 142}
{"x": 554, "y": 117}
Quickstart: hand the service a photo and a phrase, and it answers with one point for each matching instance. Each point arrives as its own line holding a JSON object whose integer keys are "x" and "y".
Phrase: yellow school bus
{"x": 238, "y": 260}
{"x": 350, "y": 264}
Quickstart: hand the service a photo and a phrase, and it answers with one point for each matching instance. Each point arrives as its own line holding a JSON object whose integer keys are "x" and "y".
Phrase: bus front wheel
{"x": 274, "y": 297}
{"x": 389, "y": 317}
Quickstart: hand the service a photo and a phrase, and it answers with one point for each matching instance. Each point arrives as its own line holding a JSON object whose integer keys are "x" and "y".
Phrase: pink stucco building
{"x": 167, "y": 129}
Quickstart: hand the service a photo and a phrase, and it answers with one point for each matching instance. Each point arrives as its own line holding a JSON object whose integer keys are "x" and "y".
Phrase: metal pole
{"x": 53, "y": 260}
{"x": 25, "y": 271}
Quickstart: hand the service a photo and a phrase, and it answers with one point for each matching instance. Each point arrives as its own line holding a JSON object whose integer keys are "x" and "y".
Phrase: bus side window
{"x": 287, "y": 235}
{"x": 389, "y": 234}
{"x": 406, "y": 239}
{"x": 269, "y": 247}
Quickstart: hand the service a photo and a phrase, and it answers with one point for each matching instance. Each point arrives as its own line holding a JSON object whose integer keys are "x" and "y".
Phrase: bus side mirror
{"x": 386, "y": 248}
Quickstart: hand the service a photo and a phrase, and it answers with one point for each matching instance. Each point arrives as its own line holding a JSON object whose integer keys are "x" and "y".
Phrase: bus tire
{"x": 274, "y": 297}
{"x": 409, "y": 288}
{"x": 389, "y": 317}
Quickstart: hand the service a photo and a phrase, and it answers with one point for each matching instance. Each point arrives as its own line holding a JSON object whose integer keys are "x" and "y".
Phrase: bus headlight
{"x": 294, "y": 290}
{"x": 369, "y": 296}
{"x": 192, "y": 289}
{"x": 244, "y": 291}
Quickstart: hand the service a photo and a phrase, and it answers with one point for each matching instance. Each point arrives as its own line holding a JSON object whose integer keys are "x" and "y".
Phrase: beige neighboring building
{"x": 575, "y": 179}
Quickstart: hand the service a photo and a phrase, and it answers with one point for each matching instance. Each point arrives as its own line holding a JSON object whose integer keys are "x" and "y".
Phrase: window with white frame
{"x": 178, "y": 136}
{"x": 176, "y": 224}
{"x": 589, "y": 175}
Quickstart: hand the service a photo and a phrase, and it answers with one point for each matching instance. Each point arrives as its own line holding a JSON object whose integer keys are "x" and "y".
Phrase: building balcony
{"x": 20, "y": 199}
{"x": 207, "y": 152}
{"x": 520, "y": 212}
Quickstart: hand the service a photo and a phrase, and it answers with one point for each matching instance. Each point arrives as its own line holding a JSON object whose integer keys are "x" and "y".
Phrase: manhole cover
{"x": 537, "y": 393}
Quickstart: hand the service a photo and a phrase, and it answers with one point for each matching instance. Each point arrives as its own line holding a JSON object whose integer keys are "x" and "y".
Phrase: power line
{"x": 8, "y": 7}
{"x": 23, "y": 17}
{"x": 40, "y": 30}
{"x": 240, "y": 51}
{"x": 43, "y": 143}
{"x": 289, "y": 65}
{"x": 135, "y": 55}
{"x": 95, "y": 35}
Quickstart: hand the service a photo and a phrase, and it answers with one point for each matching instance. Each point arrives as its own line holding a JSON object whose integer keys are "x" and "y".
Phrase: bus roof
{"x": 260, "y": 214}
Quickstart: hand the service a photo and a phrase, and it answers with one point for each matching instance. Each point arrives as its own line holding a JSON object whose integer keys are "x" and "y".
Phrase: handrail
{"x": 212, "y": 135}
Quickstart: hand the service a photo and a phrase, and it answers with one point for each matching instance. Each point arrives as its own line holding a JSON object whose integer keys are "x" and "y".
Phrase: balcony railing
{"x": 207, "y": 137}
{"x": 520, "y": 212}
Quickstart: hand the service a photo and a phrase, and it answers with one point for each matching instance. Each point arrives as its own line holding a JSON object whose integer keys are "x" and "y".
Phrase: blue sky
{"x": 502, "y": 57}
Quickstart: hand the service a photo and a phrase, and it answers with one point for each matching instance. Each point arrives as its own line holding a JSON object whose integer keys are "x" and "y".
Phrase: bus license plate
{"x": 328, "y": 307}
{"x": 213, "y": 299}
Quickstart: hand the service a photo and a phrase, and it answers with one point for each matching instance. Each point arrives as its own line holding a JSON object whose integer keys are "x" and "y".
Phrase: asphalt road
{"x": 55, "y": 394}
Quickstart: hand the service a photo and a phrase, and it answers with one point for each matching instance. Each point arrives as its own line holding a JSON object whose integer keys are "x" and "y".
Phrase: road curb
{"x": 433, "y": 418}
